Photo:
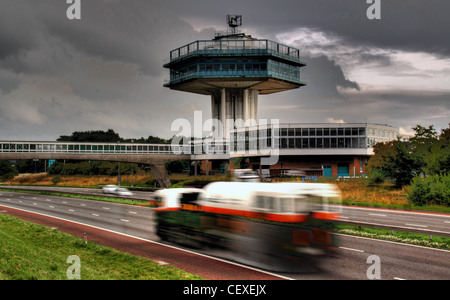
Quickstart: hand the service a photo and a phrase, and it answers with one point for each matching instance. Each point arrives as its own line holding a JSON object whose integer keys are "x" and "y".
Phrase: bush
{"x": 376, "y": 176}
{"x": 56, "y": 180}
{"x": 7, "y": 171}
{"x": 433, "y": 189}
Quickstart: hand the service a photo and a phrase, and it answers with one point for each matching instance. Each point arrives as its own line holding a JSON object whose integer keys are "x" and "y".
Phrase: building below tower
{"x": 306, "y": 149}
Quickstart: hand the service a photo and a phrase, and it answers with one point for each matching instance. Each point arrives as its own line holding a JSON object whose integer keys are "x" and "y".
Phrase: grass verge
{"x": 397, "y": 236}
{"x": 31, "y": 251}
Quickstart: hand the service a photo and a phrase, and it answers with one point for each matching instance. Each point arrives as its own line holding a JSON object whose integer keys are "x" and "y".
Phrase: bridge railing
{"x": 92, "y": 148}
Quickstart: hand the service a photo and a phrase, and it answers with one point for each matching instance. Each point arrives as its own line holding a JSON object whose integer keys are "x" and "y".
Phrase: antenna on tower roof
{"x": 233, "y": 22}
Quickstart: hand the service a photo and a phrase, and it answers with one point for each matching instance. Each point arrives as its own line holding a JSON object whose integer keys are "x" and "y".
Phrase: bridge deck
{"x": 86, "y": 147}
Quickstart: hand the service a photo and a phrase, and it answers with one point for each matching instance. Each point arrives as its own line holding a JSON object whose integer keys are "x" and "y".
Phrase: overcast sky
{"x": 106, "y": 70}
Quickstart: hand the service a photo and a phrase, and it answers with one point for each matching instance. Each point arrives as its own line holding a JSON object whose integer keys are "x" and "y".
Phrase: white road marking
{"x": 379, "y": 215}
{"x": 95, "y": 215}
{"x": 351, "y": 249}
{"x": 417, "y": 225}
{"x": 398, "y": 278}
{"x": 132, "y": 212}
{"x": 71, "y": 210}
{"x": 123, "y": 220}
{"x": 51, "y": 206}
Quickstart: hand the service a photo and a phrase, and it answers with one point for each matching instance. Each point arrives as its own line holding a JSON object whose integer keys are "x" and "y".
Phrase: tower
{"x": 234, "y": 69}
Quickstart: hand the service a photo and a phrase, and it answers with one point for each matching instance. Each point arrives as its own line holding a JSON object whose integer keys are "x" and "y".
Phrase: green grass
{"x": 401, "y": 237}
{"x": 31, "y": 251}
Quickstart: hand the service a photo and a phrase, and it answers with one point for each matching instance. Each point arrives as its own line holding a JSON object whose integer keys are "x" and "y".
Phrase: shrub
{"x": 376, "y": 176}
{"x": 56, "y": 180}
{"x": 433, "y": 189}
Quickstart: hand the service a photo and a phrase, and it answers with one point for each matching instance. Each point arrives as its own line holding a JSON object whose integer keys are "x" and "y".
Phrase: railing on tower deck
{"x": 235, "y": 47}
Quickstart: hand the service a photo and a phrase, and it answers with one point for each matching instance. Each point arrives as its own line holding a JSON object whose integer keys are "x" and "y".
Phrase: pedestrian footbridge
{"x": 155, "y": 155}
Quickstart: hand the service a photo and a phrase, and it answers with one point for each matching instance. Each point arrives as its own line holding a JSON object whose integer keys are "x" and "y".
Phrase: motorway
{"x": 397, "y": 261}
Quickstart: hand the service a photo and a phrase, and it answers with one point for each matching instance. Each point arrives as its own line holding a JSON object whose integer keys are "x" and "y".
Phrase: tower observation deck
{"x": 234, "y": 69}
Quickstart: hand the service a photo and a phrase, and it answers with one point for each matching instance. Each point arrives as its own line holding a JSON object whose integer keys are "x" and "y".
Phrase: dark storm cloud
{"x": 418, "y": 25}
{"x": 323, "y": 76}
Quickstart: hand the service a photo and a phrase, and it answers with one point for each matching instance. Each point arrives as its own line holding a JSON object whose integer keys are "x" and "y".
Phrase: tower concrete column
{"x": 223, "y": 113}
{"x": 245, "y": 114}
{"x": 214, "y": 108}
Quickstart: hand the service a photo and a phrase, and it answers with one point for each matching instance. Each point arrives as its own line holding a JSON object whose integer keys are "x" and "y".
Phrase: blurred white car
{"x": 122, "y": 192}
{"x": 116, "y": 190}
{"x": 109, "y": 189}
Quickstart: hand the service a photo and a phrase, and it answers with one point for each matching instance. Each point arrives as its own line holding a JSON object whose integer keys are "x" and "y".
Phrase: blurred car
{"x": 122, "y": 192}
{"x": 116, "y": 190}
{"x": 109, "y": 189}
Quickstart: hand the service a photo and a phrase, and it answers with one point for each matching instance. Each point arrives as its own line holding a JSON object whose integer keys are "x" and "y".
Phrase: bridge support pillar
{"x": 160, "y": 173}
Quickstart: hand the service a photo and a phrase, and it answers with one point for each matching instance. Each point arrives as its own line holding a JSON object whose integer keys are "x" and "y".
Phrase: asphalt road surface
{"x": 358, "y": 258}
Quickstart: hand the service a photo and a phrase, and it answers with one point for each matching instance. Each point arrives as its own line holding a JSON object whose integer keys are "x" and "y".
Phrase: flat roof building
{"x": 316, "y": 149}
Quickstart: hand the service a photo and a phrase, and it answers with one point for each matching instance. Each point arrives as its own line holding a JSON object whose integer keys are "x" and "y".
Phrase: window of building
{"x": 291, "y": 132}
{"x": 319, "y": 143}
{"x": 319, "y": 131}
{"x": 333, "y": 142}
{"x": 304, "y": 131}
{"x": 348, "y": 142}
{"x": 291, "y": 143}
{"x": 305, "y": 143}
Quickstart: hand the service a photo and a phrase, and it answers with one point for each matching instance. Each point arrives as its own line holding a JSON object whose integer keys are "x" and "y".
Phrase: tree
{"x": 426, "y": 153}
{"x": 401, "y": 164}
{"x": 109, "y": 136}
{"x": 7, "y": 170}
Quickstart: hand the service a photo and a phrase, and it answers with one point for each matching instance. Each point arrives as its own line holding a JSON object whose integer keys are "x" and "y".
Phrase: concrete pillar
{"x": 223, "y": 113}
{"x": 160, "y": 173}
{"x": 245, "y": 113}
{"x": 214, "y": 108}
{"x": 255, "y": 104}
{"x": 252, "y": 106}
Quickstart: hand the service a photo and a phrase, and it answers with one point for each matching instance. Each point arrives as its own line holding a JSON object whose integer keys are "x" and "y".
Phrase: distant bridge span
{"x": 154, "y": 155}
